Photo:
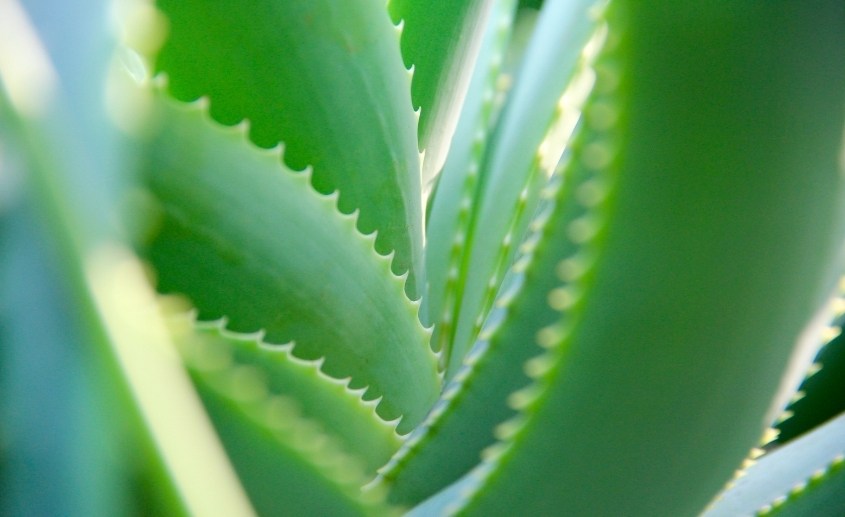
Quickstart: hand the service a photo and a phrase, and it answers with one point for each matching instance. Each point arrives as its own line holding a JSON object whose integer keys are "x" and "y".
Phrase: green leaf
{"x": 820, "y": 396}
{"x": 520, "y": 155}
{"x": 449, "y": 214}
{"x": 287, "y": 465}
{"x": 324, "y": 77}
{"x": 247, "y": 239}
{"x": 440, "y": 40}
{"x": 451, "y": 439}
{"x": 58, "y": 431}
{"x": 805, "y": 474}
{"x": 327, "y": 402}
{"x": 675, "y": 333}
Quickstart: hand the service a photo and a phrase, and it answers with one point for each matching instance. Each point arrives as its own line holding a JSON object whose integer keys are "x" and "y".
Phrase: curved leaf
{"x": 820, "y": 396}
{"x": 327, "y": 402}
{"x": 676, "y": 333}
{"x": 286, "y": 464}
{"x": 451, "y": 439}
{"x": 524, "y": 148}
{"x": 246, "y": 239}
{"x": 440, "y": 40}
{"x": 449, "y": 214}
{"x": 808, "y": 468}
{"x": 325, "y": 78}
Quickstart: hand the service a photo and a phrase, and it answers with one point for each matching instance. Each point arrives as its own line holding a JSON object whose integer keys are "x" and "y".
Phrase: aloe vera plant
{"x": 303, "y": 257}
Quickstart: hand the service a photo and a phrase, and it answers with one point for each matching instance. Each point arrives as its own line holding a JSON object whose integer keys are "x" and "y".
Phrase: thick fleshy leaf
{"x": 246, "y": 239}
{"x": 287, "y": 465}
{"x": 324, "y": 77}
{"x": 693, "y": 282}
{"x": 822, "y": 394}
{"x": 474, "y": 402}
{"x": 450, "y": 441}
{"x": 804, "y": 477}
{"x": 448, "y": 217}
{"x": 327, "y": 402}
{"x": 529, "y": 138}
{"x": 440, "y": 40}
{"x": 58, "y": 434}
{"x": 56, "y": 70}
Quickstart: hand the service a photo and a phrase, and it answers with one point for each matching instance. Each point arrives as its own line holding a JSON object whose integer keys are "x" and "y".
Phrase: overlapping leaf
{"x": 338, "y": 411}
{"x": 440, "y": 40}
{"x": 516, "y": 166}
{"x": 804, "y": 477}
{"x": 674, "y": 332}
{"x": 245, "y": 238}
{"x": 325, "y": 78}
{"x": 285, "y": 462}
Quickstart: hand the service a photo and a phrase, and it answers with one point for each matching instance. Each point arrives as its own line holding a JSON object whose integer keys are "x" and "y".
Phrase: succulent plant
{"x": 305, "y": 257}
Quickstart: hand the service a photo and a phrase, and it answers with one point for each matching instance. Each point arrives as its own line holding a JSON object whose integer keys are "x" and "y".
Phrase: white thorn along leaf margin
{"x": 827, "y": 334}
{"x": 160, "y": 85}
{"x": 785, "y": 473}
{"x": 287, "y": 351}
{"x": 202, "y": 106}
{"x": 192, "y": 451}
{"x": 583, "y": 231}
{"x": 470, "y": 181}
{"x": 447, "y": 111}
{"x": 305, "y": 437}
{"x": 808, "y": 344}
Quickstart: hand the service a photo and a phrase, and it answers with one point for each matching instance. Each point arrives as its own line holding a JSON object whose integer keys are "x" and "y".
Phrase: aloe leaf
{"x": 328, "y": 402}
{"x": 450, "y": 441}
{"x": 820, "y": 396}
{"x": 698, "y": 261}
{"x": 516, "y": 166}
{"x": 804, "y": 477}
{"x": 820, "y": 496}
{"x": 245, "y": 238}
{"x": 441, "y": 41}
{"x": 291, "y": 68}
{"x": 288, "y": 466}
{"x": 449, "y": 215}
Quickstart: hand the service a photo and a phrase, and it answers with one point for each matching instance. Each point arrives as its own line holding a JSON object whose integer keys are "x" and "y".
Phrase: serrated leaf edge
{"x": 244, "y": 386}
{"x": 836, "y": 466}
{"x": 574, "y": 272}
{"x": 471, "y": 182}
{"x": 202, "y": 107}
{"x": 559, "y": 132}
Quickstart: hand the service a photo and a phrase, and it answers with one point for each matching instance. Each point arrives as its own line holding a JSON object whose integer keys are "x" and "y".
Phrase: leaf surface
{"x": 327, "y": 402}
{"x": 326, "y": 78}
{"x": 820, "y": 396}
{"x": 286, "y": 464}
{"x": 521, "y": 153}
{"x": 804, "y": 477}
{"x": 247, "y": 239}
{"x": 697, "y": 274}
{"x": 440, "y": 40}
